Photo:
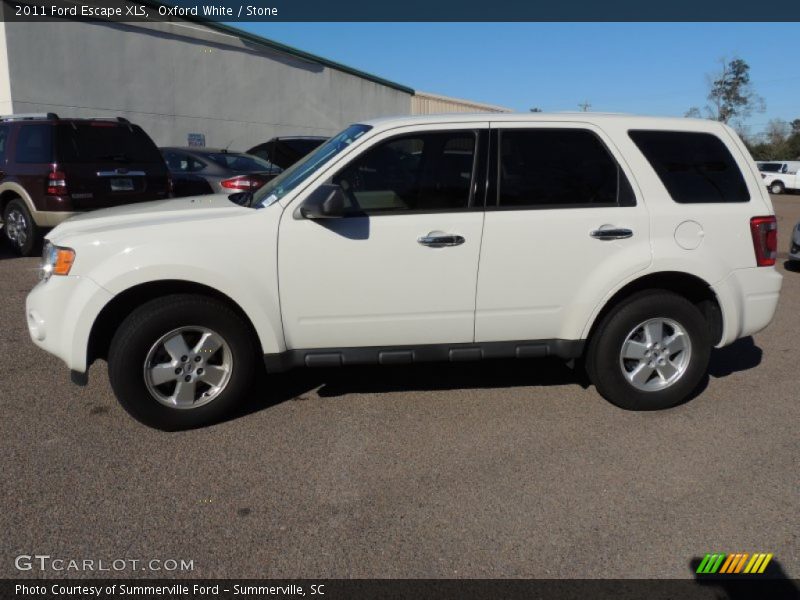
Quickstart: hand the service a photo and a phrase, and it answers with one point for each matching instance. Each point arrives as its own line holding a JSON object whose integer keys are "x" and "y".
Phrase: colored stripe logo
{"x": 740, "y": 562}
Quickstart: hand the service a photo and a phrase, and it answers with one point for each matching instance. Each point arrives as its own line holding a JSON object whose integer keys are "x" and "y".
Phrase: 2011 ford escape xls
{"x": 636, "y": 244}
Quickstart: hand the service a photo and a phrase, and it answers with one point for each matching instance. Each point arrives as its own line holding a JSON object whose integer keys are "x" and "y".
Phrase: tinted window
{"x": 770, "y": 167}
{"x": 105, "y": 141}
{"x": 3, "y": 142}
{"x": 551, "y": 168}
{"x": 33, "y": 144}
{"x": 694, "y": 167}
{"x": 426, "y": 171}
{"x": 243, "y": 163}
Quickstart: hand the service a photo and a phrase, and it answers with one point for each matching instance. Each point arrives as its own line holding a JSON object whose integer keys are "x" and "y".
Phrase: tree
{"x": 693, "y": 113}
{"x": 731, "y": 98}
{"x": 795, "y": 126}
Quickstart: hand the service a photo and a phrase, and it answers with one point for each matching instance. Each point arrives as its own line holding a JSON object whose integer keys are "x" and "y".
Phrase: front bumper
{"x": 60, "y": 314}
{"x": 748, "y": 298}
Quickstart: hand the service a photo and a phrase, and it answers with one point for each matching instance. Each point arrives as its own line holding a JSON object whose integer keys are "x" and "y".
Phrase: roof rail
{"x": 30, "y": 117}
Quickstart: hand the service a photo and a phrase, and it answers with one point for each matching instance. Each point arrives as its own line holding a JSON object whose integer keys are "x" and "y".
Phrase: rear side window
{"x": 34, "y": 144}
{"x": 558, "y": 168}
{"x": 104, "y": 141}
{"x": 242, "y": 163}
{"x": 178, "y": 162}
{"x": 694, "y": 167}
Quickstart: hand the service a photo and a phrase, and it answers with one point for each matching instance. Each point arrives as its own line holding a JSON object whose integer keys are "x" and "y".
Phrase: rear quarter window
{"x": 694, "y": 167}
{"x": 34, "y": 144}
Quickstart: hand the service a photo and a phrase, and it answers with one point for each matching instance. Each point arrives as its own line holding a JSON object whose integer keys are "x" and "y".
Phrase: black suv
{"x": 52, "y": 168}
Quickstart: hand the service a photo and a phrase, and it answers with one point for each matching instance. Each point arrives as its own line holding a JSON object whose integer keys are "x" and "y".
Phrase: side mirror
{"x": 326, "y": 202}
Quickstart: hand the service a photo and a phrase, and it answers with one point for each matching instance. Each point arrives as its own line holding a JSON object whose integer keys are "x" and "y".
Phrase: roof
{"x": 565, "y": 117}
{"x": 277, "y": 46}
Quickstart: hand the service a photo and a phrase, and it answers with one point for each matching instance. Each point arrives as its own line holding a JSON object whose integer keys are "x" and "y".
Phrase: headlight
{"x": 56, "y": 260}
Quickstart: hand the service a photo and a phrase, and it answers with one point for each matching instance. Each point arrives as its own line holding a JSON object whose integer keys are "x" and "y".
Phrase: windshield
{"x": 299, "y": 172}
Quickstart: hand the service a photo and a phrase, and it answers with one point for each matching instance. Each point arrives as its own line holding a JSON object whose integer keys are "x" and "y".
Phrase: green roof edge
{"x": 261, "y": 41}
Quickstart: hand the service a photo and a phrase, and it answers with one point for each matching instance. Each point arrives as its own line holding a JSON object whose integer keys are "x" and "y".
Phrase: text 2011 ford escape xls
{"x": 634, "y": 243}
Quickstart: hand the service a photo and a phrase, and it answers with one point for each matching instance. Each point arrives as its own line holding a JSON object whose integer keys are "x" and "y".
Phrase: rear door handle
{"x": 611, "y": 233}
{"x": 440, "y": 240}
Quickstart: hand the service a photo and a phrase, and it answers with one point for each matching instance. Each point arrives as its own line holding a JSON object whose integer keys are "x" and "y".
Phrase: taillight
{"x": 765, "y": 240}
{"x": 243, "y": 183}
{"x": 56, "y": 183}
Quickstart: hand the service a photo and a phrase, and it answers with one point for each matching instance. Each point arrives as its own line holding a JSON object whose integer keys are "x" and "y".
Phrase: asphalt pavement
{"x": 484, "y": 470}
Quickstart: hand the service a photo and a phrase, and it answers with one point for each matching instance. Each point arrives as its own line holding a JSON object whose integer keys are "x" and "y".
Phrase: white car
{"x": 635, "y": 244}
{"x": 780, "y": 176}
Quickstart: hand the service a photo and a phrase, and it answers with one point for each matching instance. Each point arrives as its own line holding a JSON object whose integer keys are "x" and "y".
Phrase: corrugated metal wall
{"x": 423, "y": 103}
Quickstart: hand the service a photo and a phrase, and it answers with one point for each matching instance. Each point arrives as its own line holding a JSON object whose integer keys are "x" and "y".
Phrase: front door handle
{"x": 440, "y": 240}
{"x": 611, "y": 233}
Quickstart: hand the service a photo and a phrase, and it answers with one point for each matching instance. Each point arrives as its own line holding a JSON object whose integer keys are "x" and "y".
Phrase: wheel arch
{"x": 693, "y": 288}
{"x": 11, "y": 191}
{"x": 122, "y": 304}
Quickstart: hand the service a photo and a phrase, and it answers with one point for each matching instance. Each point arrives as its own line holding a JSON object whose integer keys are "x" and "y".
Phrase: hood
{"x": 142, "y": 214}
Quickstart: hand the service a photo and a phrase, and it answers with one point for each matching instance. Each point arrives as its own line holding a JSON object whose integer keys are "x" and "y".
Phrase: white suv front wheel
{"x": 181, "y": 361}
{"x": 650, "y": 352}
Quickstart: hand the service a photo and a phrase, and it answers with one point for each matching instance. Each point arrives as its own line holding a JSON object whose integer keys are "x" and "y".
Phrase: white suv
{"x": 634, "y": 244}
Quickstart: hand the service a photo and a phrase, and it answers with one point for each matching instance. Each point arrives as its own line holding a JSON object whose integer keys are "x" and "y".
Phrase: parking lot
{"x": 496, "y": 469}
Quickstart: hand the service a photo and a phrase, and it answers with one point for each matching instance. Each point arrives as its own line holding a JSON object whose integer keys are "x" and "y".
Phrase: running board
{"x": 404, "y": 355}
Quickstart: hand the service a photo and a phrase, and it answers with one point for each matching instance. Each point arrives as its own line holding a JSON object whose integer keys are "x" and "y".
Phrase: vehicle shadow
{"x": 742, "y": 355}
{"x": 793, "y": 266}
{"x": 773, "y": 584}
{"x": 5, "y": 251}
{"x": 296, "y": 384}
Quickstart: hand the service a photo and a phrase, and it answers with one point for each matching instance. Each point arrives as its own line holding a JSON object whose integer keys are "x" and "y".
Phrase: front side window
{"x": 416, "y": 172}
{"x": 33, "y": 144}
{"x": 558, "y": 168}
{"x": 694, "y": 167}
{"x": 300, "y": 171}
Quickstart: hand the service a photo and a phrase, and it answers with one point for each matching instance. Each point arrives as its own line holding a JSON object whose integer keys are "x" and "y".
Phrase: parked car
{"x": 794, "y": 245}
{"x": 781, "y": 175}
{"x": 209, "y": 171}
{"x": 54, "y": 168}
{"x": 633, "y": 244}
{"x": 285, "y": 151}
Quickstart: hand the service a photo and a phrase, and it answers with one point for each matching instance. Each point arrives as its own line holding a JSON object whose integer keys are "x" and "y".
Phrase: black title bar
{"x": 405, "y": 11}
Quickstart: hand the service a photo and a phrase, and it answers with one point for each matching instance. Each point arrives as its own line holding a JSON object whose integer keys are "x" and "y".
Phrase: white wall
{"x": 177, "y": 78}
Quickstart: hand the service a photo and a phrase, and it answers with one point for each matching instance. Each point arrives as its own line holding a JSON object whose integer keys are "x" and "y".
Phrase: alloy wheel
{"x": 188, "y": 367}
{"x": 655, "y": 354}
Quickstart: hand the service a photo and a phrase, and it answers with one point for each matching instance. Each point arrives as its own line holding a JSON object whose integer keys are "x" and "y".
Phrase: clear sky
{"x": 643, "y": 68}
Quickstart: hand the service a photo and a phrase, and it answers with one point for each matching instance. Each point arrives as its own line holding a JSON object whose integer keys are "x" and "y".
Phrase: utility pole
{"x": 585, "y": 106}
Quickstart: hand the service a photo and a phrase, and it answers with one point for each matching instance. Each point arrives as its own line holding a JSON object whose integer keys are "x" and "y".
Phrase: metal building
{"x": 182, "y": 78}
{"x": 423, "y": 103}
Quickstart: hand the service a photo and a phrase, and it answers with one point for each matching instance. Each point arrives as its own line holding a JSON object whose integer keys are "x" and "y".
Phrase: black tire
{"x": 19, "y": 229}
{"x": 603, "y": 357}
{"x": 777, "y": 187}
{"x": 137, "y": 335}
